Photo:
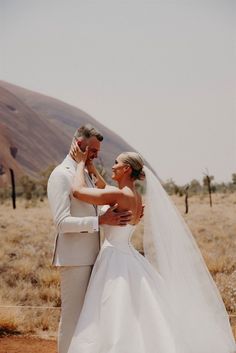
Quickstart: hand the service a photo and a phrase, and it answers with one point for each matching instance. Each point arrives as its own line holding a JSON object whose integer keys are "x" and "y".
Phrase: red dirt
{"x": 26, "y": 345}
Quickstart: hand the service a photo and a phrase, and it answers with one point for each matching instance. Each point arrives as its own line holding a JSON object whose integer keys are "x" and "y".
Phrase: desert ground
{"x": 30, "y": 288}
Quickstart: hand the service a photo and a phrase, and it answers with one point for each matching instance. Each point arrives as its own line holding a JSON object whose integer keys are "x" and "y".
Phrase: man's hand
{"x": 113, "y": 218}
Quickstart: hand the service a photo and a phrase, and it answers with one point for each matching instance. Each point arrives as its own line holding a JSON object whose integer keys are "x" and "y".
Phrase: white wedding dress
{"x": 123, "y": 311}
{"x": 165, "y": 302}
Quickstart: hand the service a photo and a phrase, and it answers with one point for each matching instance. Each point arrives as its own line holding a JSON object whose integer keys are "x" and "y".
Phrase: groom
{"x": 77, "y": 241}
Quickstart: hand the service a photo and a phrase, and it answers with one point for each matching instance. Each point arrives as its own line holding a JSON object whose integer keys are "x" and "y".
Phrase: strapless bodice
{"x": 118, "y": 237}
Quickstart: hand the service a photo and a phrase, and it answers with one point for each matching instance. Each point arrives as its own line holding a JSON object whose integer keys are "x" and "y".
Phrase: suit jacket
{"x": 77, "y": 241}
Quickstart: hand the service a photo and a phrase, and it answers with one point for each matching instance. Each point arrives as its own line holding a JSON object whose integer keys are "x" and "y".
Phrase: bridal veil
{"x": 199, "y": 318}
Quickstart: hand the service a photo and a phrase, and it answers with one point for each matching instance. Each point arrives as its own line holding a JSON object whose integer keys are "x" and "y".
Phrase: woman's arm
{"x": 100, "y": 182}
{"x": 107, "y": 196}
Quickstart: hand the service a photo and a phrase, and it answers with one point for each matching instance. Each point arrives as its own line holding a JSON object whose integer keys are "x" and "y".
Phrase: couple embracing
{"x": 115, "y": 300}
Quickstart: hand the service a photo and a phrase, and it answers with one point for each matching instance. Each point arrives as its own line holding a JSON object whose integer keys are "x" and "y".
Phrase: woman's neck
{"x": 126, "y": 182}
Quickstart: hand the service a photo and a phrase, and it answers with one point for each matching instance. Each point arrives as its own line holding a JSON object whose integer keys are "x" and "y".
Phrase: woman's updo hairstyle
{"x": 136, "y": 163}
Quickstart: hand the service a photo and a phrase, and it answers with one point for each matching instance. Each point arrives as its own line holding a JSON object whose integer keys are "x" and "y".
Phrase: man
{"x": 77, "y": 242}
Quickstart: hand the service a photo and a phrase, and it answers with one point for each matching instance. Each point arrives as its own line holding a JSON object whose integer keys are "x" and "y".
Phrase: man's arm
{"x": 59, "y": 189}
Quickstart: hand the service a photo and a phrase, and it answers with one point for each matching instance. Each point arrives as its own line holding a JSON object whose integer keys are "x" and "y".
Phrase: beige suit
{"x": 76, "y": 245}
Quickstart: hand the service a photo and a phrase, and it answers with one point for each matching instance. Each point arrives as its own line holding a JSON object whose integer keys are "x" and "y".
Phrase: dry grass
{"x": 28, "y": 279}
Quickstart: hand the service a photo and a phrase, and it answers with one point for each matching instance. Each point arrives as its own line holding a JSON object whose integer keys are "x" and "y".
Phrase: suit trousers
{"x": 74, "y": 282}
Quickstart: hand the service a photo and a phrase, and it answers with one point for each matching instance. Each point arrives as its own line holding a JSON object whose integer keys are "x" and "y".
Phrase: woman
{"x": 165, "y": 302}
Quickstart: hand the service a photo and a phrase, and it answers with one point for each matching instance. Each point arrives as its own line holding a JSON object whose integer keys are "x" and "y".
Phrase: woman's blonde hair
{"x": 136, "y": 162}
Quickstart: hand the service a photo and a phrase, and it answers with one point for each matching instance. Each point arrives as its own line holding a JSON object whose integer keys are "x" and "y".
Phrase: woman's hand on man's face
{"x": 77, "y": 154}
{"x": 90, "y": 166}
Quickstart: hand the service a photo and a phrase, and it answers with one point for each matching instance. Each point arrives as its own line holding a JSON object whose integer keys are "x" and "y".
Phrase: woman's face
{"x": 119, "y": 168}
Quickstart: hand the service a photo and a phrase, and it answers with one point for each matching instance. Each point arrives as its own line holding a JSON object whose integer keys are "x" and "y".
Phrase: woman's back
{"x": 131, "y": 200}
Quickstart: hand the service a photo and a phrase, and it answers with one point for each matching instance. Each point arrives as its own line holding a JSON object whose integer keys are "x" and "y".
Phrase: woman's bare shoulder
{"x": 113, "y": 189}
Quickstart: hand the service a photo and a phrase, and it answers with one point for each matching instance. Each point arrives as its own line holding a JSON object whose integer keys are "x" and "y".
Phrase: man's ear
{"x": 82, "y": 143}
{"x": 79, "y": 140}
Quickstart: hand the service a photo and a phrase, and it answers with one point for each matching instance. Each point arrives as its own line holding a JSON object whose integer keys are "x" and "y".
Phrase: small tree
{"x": 44, "y": 176}
{"x": 195, "y": 187}
{"x": 171, "y": 188}
{"x": 28, "y": 186}
{"x": 234, "y": 178}
{"x": 207, "y": 182}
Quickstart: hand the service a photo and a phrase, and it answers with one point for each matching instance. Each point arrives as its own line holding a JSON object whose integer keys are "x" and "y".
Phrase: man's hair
{"x": 88, "y": 131}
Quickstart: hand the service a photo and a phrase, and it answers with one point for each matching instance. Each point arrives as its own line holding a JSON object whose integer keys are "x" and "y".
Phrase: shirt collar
{"x": 72, "y": 163}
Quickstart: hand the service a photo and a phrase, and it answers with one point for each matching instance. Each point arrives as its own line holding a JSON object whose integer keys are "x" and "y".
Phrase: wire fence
{"x": 231, "y": 316}
{"x": 49, "y": 307}
{"x": 29, "y": 307}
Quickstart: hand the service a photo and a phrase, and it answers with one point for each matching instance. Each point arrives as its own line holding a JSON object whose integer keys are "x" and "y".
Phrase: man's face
{"x": 93, "y": 146}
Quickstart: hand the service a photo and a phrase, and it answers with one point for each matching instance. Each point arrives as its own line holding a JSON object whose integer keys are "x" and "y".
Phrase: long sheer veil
{"x": 198, "y": 312}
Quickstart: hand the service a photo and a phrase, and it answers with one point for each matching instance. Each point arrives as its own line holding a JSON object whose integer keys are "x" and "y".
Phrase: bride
{"x": 163, "y": 302}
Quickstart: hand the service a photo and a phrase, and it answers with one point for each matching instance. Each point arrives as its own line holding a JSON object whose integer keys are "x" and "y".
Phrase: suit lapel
{"x": 90, "y": 183}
